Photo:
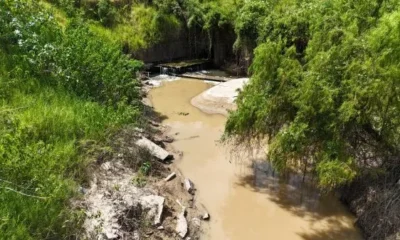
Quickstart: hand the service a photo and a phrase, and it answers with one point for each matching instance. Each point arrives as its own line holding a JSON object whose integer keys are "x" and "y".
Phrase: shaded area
{"x": 301, "y": 198}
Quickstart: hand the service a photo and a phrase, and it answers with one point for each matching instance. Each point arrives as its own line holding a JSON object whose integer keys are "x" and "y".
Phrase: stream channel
{"x": 246, "y": 199}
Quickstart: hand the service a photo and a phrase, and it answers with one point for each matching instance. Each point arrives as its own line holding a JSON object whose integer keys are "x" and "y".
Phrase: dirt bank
{"x": 134, "y": 195}
{"x": 375, "y": 200}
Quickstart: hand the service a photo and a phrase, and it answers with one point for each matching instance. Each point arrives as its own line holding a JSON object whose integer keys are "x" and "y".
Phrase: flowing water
{"x": 245, "y": 200}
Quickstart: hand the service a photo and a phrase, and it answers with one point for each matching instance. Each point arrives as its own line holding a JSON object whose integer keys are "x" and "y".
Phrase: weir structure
{"x": 186, "y": 68}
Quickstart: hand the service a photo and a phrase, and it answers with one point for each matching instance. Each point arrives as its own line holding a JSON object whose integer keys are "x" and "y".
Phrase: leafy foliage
{"x": 59, "y": 87}
{"x": 324, "y": 85}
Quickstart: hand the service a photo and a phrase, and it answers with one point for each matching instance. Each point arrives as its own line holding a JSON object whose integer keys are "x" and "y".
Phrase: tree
{"x": 324, "y": 88}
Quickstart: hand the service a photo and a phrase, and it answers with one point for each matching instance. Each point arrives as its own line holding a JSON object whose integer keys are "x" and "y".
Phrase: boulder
{"x": 206, "y": 216}
{"x": 155, "y": 204}
{"x": 182, "y": 225}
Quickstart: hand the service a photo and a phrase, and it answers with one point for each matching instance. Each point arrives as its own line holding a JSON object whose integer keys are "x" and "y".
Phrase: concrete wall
{"x": 187, "y": 45}
{"x": 195, "y": 45}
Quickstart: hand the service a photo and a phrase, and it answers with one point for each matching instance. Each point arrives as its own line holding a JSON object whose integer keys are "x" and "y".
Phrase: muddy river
{"x": 246, "y": 199}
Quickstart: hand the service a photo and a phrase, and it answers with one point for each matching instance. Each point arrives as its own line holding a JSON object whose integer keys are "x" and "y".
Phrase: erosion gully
{"x": 246, "y": 198}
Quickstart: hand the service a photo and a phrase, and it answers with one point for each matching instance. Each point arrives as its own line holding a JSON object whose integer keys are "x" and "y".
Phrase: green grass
{"x": 59, "y": 15}
{"x": 40, "y": 131}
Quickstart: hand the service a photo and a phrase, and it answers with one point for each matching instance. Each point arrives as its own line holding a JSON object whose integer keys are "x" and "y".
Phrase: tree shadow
{"x": 335, "y": 231}
{"x": 301, "y": 198}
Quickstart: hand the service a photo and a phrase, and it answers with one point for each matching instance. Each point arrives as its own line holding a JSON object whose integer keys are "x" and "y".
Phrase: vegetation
{"x": 325, "y": 85}
{"x": 324, "y": 91}
{"x": 134, "y": 25}
{"x": 59, "y": 87}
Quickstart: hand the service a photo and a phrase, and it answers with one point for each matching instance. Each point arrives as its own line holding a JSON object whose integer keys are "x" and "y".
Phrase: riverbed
{"x": 246, "y": 199}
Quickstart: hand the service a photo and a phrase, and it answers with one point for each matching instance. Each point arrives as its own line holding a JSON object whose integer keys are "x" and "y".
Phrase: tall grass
{"x": 58, "y": 88}
{"x": 39, "y": 136}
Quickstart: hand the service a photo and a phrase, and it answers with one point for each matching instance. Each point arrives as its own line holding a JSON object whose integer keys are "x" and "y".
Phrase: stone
{"x": 106, "y": 166}
{"x": 160, "y": 228}
{"x": 196, "y": 222}
{"x": 156, "y": 206}
{"x": 153, "y": 148}
{"x": 111, "y": 235}
{"x": 182, "y": 225}
{"x": 168, "y": 139}
{"x": 170, "y": 177}
{"x": 189, "y": 186}
{"x": 139, "y": 130}
{"x": 206, "y": 216}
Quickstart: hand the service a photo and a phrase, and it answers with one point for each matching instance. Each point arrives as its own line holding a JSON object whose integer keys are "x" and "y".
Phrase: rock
{"x": 139, "y": 130}
{"x": 168, "y": 139}
{"x": 196, "y": 222}
{"x": 206, "y": 216}
{"x": 82, "y": 190}
{"x": 170, "y": 177}
{"x": 156, "y": 206}
{"x": 111, "y": 235}
{"x": 189, "y": 186}
{"x": 154, "y": 149}
{"x": 181, "y": 225}
{"x": 160, "y": 228}
{"x": 106, "y": 166}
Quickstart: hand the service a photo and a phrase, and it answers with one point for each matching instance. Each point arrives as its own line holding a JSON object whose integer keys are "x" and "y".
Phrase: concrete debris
{"x": 155, "y": 204}
{"x": 170, "y": 177}
{"x": 206, "y": 216}
{"x": 189, "y": 186}
{"x": 154, "y": 149}
{"x": 182, "y": 225}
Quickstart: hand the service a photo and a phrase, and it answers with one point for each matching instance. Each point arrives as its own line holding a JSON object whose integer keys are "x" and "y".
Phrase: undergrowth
{"x": 59, "y": 87}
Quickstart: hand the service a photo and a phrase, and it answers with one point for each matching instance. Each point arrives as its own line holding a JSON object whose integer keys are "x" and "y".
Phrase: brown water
{"x": 246, "y": 201}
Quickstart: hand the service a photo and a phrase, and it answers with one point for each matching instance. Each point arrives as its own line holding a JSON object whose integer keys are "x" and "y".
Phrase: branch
{"x": 25, "y": 194}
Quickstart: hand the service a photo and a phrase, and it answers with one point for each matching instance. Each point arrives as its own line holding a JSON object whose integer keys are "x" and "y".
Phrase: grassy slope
{"x": 42, "y": 165}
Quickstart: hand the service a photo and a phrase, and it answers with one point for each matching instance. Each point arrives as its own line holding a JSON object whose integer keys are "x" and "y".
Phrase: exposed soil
{"x": 121, "y": 202}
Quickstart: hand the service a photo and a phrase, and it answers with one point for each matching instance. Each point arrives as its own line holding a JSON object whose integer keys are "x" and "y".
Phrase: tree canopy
{"x": 325, "y": 85}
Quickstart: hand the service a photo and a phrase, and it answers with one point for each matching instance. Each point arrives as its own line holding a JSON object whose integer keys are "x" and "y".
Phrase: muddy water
{"x": 246, "y": 201}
